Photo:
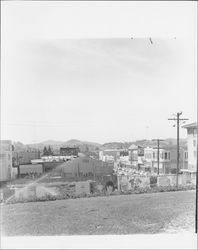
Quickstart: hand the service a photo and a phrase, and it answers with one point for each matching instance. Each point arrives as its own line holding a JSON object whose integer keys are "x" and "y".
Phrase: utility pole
{"x": 178, "y": 119}
{"x": 94, "y": 172}
{"x": 158, "y": 148}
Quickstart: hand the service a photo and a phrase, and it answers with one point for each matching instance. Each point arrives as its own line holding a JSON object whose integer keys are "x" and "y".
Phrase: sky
{"x": 89, "y": 71}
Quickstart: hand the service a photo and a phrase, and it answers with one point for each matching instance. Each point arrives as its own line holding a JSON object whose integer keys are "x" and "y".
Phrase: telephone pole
{"x": 178, "y": 119}
{"x": 158, "y": 148}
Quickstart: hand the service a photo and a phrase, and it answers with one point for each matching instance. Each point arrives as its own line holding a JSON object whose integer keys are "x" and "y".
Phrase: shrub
{"x": 72, "y": 195}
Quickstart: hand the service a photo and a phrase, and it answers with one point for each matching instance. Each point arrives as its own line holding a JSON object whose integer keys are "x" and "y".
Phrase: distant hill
{"x": 49, "y": 142}
{"x": 83, "y": 145}
{"x": 143, "y": 143}
{"x": 86, "y": 146}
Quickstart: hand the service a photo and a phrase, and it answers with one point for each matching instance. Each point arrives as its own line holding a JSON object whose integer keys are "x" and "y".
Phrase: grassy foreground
{"x": 125, "y": 214}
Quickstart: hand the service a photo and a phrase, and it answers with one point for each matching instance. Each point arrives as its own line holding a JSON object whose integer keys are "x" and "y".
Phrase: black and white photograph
{"x": 98, "y": 143}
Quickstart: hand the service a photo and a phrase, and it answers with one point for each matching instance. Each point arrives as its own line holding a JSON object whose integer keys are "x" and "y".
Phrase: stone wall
{"x": 61, "y": 190}
{"x": 82, "y": 187}
{"x": 129, "y": 182}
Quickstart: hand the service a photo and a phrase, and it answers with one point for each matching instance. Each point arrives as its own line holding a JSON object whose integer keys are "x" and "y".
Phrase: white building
{"x": 151, "y": 159}
{"x": 7, "y": 172}
{"x": 192, "y": 146}
{"x": 109, "y": 155}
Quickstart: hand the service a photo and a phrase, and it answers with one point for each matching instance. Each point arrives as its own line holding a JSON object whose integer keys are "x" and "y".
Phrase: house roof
{"x": 191, "y": 125}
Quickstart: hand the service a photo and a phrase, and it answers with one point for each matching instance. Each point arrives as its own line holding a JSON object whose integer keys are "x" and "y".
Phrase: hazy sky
{"x": 71, "y": 70}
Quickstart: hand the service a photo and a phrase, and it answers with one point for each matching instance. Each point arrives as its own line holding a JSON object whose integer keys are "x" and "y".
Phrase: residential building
{"x": 192, "y": 145}
{"x": 136, "y": 154}
{"x": 7, "y": 172}
{"x": 167, "y": 159}
{"x": 109, "y": 155}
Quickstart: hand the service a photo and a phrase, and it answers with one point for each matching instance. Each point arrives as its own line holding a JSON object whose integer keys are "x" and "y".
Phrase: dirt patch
{"x": 184, "y": 223}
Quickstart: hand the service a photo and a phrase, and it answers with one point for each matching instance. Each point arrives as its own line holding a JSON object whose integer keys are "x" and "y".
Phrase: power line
{"x": 178, "y": 119}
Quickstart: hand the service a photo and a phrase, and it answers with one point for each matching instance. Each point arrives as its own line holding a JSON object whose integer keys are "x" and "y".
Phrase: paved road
{"x": 125, "y": 214}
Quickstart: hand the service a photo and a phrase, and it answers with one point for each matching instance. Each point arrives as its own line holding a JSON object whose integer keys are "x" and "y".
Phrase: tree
{"x": 50, "y": 152}
{"x": 45, "y": 151}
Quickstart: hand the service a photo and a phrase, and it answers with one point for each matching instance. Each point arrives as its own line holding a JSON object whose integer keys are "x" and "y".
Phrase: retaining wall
{"x": 41, "y": 190}
{"x": 129, "y": 182}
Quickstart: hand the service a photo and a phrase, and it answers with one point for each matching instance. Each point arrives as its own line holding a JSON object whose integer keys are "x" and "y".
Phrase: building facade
{"x": 167, "y": 159}
{"x": 24, "y": 157}
{"x": 192, "y": 146}
{"x": 109, "y": 155}
{"x": 27, "y": 169}
{"x": 136, "y": 154}
{"x": 7, "y": 172}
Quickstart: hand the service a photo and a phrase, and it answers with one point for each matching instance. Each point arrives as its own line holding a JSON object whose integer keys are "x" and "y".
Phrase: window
{"x": 186, "y": 155}
{"x": 169, "y": 156}
{"x": 148, "y": 156}
{"x": 194, "y": 143}
{"x": 195, "y": 153}
{"x": 154, "y": 155}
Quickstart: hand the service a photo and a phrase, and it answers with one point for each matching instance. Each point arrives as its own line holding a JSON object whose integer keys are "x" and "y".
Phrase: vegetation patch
{"x": 64, "y": 195}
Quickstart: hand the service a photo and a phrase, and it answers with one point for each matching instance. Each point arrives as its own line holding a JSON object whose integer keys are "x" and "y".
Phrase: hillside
{"x": 143, "y": 143}
{"x": 85, "y": 146}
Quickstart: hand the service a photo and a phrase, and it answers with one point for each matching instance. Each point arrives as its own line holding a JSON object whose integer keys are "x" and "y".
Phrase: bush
{"x": 65, "y": 195}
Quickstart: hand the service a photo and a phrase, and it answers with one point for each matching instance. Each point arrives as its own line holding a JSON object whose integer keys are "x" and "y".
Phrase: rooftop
{"x": 191, "y": 125}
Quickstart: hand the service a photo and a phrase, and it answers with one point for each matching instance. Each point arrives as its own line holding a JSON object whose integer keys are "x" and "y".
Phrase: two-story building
{"x": 192, "y": 146}
{"x": 7, "y": 172}
{"x": 167, "y": 159}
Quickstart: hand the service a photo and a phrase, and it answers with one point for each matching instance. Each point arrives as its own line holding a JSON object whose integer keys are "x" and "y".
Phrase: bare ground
{"x": 170, "y": 212}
